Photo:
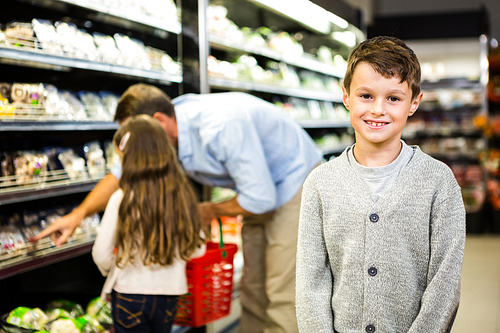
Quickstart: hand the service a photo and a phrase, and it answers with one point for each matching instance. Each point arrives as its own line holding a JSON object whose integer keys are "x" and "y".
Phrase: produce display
{"x": 60, "y": 316}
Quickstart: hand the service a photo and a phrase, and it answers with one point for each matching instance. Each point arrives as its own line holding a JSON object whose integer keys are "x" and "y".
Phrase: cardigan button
{"x": 372, "y": 271}
{"x": 374, "y": 218}
{"x": 370, "y": 328}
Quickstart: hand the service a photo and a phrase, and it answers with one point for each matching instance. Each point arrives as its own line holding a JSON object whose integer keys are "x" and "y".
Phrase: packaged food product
{"x": 19, "y": 34}
{"x": 89, "y": 225}
{"x": 7, "y": 165}
{"x": 95, "y": 159}
{"x": 73, "y": 164}
{"x": 110, "y": 101}
{"x": 53, "y": 314}
{"x": 77, "y": 43}
{"x": 100, "y": 310}
{"x": 72, "y": 106}
{"x": 286, "y": 43}
{"x": 28, "y": 99}
{"x": 5, "y": 89}
{"x": 65, "y": 325}
{"x": 133, "y": 51}
{"x": 106, "y": 49}
{"x": 47, "y": 37}
{"x": 112, "y": 157}
{"x": 30, "y": 227}
{"x": 74, "y": 309}
{"x": 30, "y": 167}
{"x": 30, "y": 318}
{"x": 11, "y": 238}
{"x": 54, "y": 108}
{"x": 94, "y": 106}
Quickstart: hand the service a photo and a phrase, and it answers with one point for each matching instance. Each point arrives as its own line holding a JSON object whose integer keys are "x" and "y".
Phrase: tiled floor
{"x": 480, "y": 301}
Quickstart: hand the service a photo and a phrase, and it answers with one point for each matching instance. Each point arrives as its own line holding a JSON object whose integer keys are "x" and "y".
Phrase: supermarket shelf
{"x": 443, "y": 132}
{"x": 299, "y": 61}
{"x": 167, "y": 25}
{"x": 324, "y": 123}
{"x": 42, "y": 193}
{"x": 31, "y": 258}
{"x": 462, "y": 83}
{"x": 274, "y": 89}
{"x": 47, "y": 184}
{"x": 13, "y": 124}
{"x": 32, "y": 55}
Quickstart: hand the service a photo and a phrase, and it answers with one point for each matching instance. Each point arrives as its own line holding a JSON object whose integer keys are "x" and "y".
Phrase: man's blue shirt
{"x": 238, "y": 141}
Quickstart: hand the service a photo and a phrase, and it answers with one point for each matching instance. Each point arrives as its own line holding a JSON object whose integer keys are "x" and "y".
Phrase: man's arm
{"x": 94, "y": 202}
{"x": 210, "y": 210}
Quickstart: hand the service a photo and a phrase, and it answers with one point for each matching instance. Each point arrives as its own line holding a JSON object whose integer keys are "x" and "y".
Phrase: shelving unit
{"x": 246, "y": 17}
{"x": 184, "y": 37}
{"x": 32, "y": 127}
{"x": 454, "y": 79}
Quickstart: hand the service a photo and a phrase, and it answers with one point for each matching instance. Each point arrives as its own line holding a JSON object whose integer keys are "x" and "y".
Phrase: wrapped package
{"x": 110, "y": 101}
{"x": 72, "y": 106}
{"x": 30, "y": 167}
{"x": 94, "y": 105}
{"x": 48, "y": 39}
{"x": 100, "y": 310}
{"x": 106, "y": 49}
{"x": 73, "y": 164}
{"x": 95, "y": 159}
{"x": 133, "y": 51}
{"x": 19, "y": 34}
{"x": 27, "y": 318}
{"x": 74, "y": 309}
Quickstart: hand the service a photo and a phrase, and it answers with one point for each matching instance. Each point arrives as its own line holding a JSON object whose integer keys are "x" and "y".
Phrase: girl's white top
{"x": 134, "y": 278}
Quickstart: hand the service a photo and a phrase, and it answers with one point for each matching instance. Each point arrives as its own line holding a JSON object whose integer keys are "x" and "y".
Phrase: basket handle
{"x": 221, "y": 240}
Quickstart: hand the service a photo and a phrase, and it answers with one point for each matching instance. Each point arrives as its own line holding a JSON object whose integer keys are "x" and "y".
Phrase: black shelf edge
{"x": 33, "y": 261}
{"x": 30, "y": 195}
{"x": 14, "y": 125}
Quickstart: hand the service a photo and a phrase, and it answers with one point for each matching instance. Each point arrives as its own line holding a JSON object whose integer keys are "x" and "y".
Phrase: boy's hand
{"x": 60, "y": 230}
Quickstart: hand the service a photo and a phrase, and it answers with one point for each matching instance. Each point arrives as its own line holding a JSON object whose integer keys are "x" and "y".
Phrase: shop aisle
{"x": 480, "y": 301}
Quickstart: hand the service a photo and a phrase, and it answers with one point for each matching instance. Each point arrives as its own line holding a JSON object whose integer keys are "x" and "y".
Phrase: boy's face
{"x": 379, "y": 106}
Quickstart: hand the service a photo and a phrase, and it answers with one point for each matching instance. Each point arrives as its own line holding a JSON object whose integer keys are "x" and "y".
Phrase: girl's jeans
{"x": 143, "y": 313}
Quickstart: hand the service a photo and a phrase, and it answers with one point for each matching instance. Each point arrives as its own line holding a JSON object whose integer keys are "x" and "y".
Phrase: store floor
{"x": 480, "y": 301}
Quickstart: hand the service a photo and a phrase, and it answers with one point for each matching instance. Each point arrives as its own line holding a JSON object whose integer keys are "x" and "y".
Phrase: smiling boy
{"x": 382, "y": 226}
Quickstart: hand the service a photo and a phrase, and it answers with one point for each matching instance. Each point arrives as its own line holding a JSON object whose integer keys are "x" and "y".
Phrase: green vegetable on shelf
{"x": 27, "y": 318}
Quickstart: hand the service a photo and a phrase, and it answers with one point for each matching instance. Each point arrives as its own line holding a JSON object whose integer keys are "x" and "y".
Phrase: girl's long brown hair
{"x": 158, "y": 218}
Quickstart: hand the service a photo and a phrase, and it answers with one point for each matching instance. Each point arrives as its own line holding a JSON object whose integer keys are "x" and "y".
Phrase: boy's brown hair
{"x": 158, "y": 218}
{"x": 143, "y": 98}
{"x": 390, "y": 57}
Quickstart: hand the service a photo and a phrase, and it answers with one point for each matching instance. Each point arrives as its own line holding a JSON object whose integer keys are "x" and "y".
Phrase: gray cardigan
{"x": 392, "y": 266}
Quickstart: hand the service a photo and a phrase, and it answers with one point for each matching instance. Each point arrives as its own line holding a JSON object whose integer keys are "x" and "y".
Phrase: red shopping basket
{"x": 210, "y": 286}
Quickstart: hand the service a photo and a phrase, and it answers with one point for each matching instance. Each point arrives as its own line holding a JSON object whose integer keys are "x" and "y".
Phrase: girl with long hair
{"x": 150, "y": 228}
